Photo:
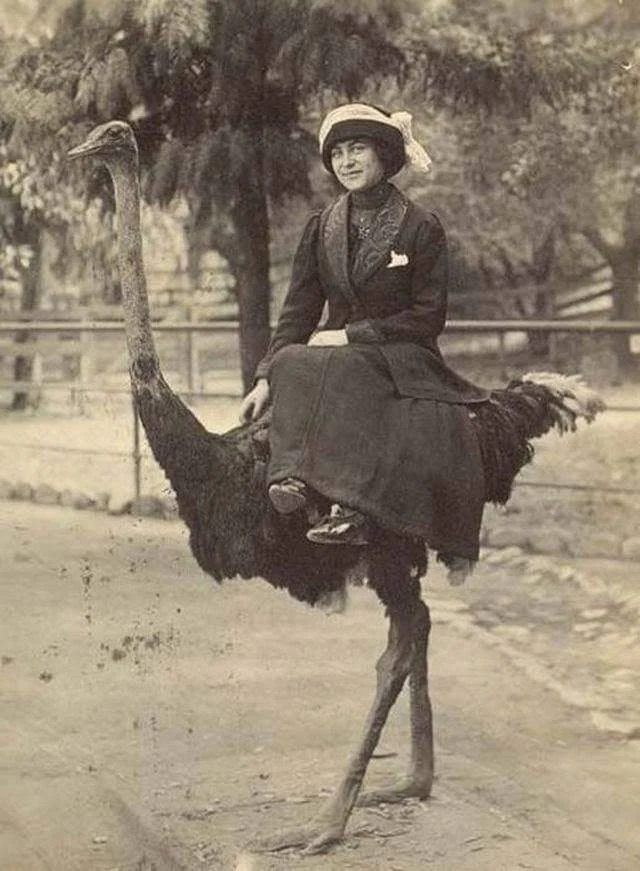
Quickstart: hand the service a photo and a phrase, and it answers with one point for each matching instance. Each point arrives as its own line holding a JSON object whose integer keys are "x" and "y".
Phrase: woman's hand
{"x": 327, "y": 338}
{"x": 255, "y": 401}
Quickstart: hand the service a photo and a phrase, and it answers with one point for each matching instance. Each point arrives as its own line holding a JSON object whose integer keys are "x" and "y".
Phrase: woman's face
{"x": 356, "y": 164}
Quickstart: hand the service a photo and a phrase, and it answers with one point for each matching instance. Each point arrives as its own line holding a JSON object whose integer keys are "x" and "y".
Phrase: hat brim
{"x": 390, "y": 137}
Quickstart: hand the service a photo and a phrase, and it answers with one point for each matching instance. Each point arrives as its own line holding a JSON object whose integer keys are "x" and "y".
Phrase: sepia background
{"x": 152, "y": 720}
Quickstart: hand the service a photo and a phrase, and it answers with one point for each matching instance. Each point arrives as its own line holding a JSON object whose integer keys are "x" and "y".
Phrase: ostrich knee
{"x": 394, "y": 665}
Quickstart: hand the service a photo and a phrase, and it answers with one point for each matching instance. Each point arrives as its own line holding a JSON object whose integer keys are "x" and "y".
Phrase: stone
{"x": 101, "y": 501}
{"x": 46, "y": 495}
{"x": 503, "y": 556}
{"x": 514, "y": 633}
{"x": 147, "y": 506}
{"x": 565, "y": 573}
{"x": 170, "y": 507}
{"x": 541, "y": 563}
{"x": 596, "y": 544}
{"x": 629, "y": 729}
{"x": 631, "y": 547}
{"x": 451, "y": 605}
{"x": 6, "y": 490}
{"x": 487, "y": 618}
{"x": 544, "y": 540}
{"x": 594, "y": 613}
{"x": 22, "y": 490}
{"x": 588, "y": 630}
{"x": 119, "y": 507}
{"x": 82, "y": 502}
{"x": 513, "y": 535}
{"x": 67, "y": 497}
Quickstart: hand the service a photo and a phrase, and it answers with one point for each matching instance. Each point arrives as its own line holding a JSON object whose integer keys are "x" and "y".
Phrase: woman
{"x": 365, "y": 412}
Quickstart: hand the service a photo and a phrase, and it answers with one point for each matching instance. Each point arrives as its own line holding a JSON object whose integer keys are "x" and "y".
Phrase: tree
{"x": 215, "y": 89}
{"x": 221, "y": 93}
{"x": 31, "y": 199}
{"x": 583, "y": 175}
{"x": 519, "y": 180}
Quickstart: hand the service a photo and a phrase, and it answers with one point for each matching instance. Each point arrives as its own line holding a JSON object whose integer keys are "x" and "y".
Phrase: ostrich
{"x": 219, "y": 483}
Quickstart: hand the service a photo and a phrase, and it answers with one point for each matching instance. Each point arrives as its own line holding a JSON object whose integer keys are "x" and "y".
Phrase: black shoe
{"x": 289, "y": 495}
{"x": 342, "y": 526}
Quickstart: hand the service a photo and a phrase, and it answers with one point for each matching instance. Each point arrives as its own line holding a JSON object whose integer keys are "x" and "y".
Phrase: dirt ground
{"x": 153, "y": 720}
{"x": 150, "y": 719}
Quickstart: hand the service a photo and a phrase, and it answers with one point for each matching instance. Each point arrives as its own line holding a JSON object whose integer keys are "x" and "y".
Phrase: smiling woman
{"x": 369, "y": 426}
{"x": 356, "y": 165}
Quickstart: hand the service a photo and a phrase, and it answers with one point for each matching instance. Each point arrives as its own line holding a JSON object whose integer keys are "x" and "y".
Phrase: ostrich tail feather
{"x": 528, "y": 408}
{"x": 570, "y": 393}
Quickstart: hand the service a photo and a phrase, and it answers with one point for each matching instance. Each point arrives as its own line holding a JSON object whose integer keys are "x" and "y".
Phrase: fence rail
{"x": 513, "y": 325}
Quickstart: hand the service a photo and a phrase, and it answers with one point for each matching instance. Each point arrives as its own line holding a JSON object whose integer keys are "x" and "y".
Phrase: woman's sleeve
{"x": 424, "y": 318}
{"x": 304, "y": 302}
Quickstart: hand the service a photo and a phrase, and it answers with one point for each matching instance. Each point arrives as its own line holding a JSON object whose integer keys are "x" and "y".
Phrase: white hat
{"x": 354, "y": 120}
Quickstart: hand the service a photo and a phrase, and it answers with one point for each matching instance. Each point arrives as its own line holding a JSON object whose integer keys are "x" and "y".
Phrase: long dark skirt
{"x": 413, "y": 465}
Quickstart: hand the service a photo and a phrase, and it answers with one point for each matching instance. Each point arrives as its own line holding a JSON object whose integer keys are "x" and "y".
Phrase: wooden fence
{"x": 63, "y": 352}
{"x": 74, "y": 338}
{"x": 62, "y": 357}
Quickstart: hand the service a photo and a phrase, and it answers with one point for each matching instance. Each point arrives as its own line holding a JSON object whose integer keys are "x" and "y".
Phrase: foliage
{"x": 530, "y": 107}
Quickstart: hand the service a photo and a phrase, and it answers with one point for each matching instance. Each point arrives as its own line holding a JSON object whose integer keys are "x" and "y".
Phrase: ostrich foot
{"x": 312, "y": 838}
{"x": 408, "y": 788}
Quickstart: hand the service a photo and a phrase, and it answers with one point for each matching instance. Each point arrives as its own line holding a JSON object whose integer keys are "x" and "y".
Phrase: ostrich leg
{"x": 392, "y": 670}
{"x": 418, "y": 782}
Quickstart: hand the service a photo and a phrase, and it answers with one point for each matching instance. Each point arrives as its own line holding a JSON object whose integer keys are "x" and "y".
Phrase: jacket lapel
{"x": 374, "y": 251}
{"x": 334, "y": 248}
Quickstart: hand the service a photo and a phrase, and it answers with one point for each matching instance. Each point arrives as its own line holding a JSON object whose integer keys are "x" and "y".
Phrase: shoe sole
{"x": 318, "y": 537}
{"x": 284, "y": 501}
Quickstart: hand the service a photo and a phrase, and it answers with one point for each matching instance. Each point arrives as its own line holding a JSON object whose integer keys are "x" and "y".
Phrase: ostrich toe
{"x": 404, "y": 789}
{"x": 312, "y": 838}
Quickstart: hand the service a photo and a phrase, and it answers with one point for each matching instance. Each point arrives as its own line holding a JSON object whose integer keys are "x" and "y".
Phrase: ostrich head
{"x": 112, "y": 142}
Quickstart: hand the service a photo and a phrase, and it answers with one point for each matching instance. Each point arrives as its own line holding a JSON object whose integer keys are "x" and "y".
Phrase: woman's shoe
{"x": 342, "y": 526}
{"x": 289, "y": 495}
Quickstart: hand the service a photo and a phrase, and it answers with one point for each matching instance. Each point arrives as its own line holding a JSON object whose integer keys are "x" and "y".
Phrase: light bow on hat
{"x": 355, "y": 116}
{"x": 417, "y": 157}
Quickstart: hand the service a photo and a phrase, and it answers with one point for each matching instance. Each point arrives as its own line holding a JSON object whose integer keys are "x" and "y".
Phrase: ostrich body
{"x": 219, "y": 483}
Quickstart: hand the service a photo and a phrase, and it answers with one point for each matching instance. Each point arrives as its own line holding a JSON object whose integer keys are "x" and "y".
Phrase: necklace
{"x": 362, "y": 223}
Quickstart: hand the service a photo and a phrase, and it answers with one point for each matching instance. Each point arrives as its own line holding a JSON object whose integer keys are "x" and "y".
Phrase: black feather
{"x": 220, "y": 487}
{"x": 506, "y": 423}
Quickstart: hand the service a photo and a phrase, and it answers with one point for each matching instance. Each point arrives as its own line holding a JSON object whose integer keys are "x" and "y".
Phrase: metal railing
{"x": 497, "y": 327}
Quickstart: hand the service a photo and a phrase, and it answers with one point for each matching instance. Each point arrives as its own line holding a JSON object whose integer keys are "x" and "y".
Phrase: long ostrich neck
{"x": 174, "y": 434}
{"x": 143, "y": 359}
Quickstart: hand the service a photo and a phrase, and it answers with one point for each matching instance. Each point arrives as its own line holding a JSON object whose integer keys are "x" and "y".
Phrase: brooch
{"x": 397, "y": 260}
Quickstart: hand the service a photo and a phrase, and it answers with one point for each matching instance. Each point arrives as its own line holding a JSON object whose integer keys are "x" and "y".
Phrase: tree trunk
{"x": 626, "y": 277}
{"x": 251, "y": 224}
{"x": 29, "y": 300}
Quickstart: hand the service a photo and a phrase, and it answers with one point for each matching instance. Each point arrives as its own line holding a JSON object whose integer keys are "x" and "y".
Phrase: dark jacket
{"x": 393, "y": 294}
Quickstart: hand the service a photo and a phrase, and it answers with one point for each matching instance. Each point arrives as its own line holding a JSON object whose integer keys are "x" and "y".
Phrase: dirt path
{"x": 150, "y": 719}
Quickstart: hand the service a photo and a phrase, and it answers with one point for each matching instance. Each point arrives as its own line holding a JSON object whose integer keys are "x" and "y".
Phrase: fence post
{"x": 83, "y": 370}
{"x": 137, "y": 457}
{"x": 37, "y": 379}
{"x": 502, "y": 355}
{"x": 193, "y": 362}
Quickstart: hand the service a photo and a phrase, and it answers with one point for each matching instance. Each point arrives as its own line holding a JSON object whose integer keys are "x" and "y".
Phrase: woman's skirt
{"x": 412, "y": 465}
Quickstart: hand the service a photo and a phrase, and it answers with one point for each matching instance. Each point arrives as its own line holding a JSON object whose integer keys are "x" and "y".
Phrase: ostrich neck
{"x": 143, "y": 360}
{"x": 175, "y": 436}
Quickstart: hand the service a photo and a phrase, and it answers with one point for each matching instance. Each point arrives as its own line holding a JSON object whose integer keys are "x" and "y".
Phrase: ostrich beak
{"x": 82, "y": 150}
